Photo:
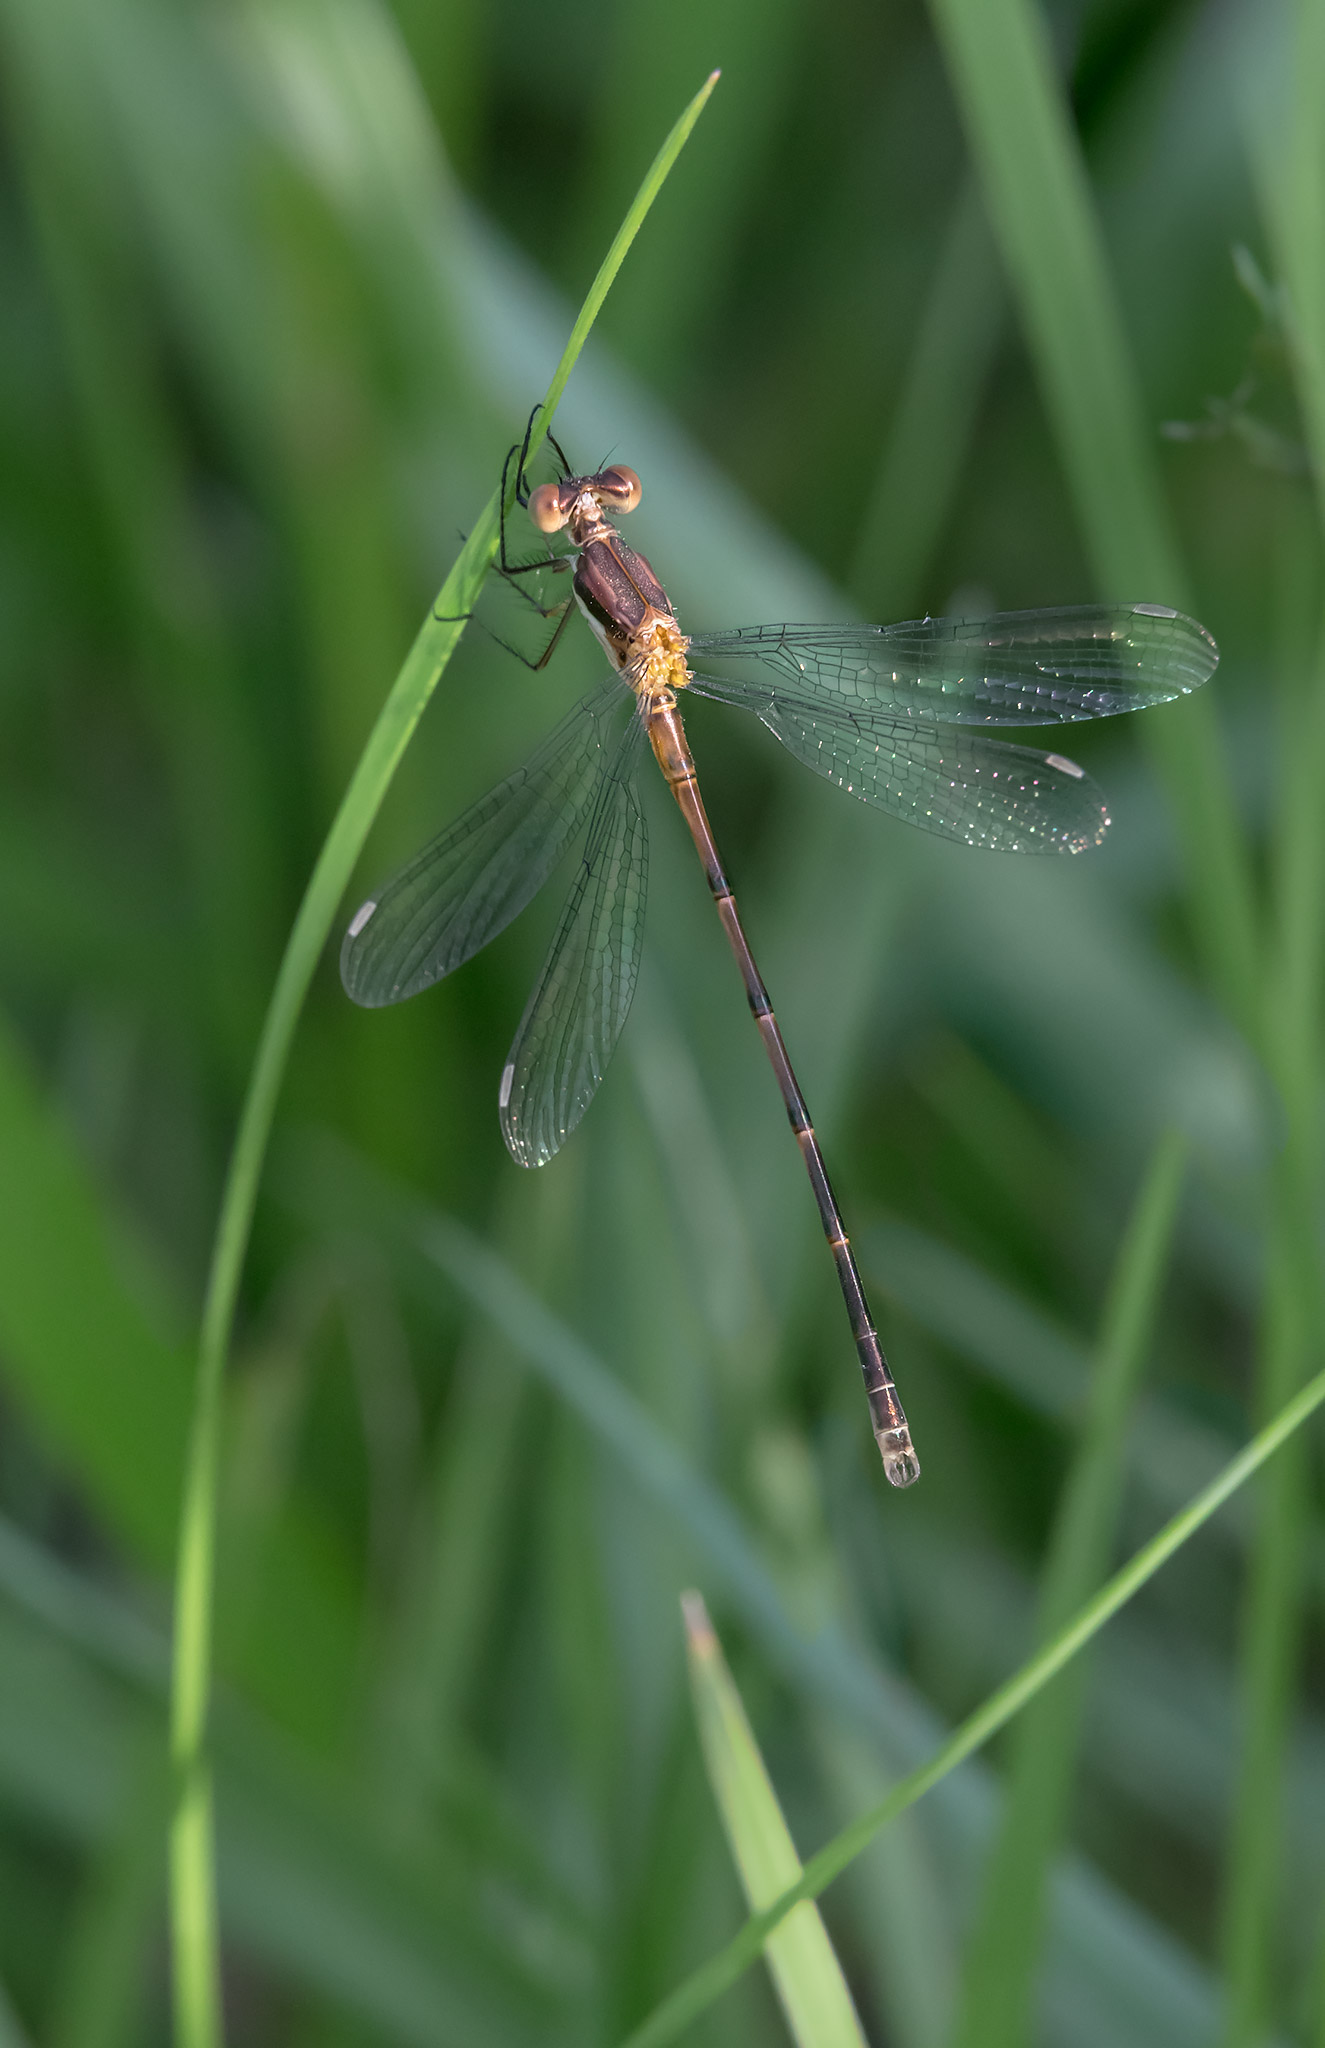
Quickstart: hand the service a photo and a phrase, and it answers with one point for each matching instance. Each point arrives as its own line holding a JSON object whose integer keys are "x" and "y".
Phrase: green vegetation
{"x": 981, "y": 306}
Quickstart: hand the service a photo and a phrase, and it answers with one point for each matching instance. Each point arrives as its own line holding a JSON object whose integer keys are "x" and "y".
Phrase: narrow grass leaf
{"x": 708, "y": 1983}
{"x": 999, "y": 1973}
{"x": 1292, "y": 167}
{"x": 804, "y": 1969}
{"x": 13, "y": 2033}
{"x": 198, "y": 2020}
{"x": 115, "y": 1412}
{"x": 660, "y": 312}
{"x": 104, "y": 1966}
{"x": 904, "y": 1908}
{"x": 1290, "y": 162}
{"x": 955, "y": 344}
{"x": 1269, "y": 1655}
{"x": 1036, "y": 1361}
{"x": 1292, "y": 1337}
{"x": 1036, "y": 188}
{"x": 74, "y": 1610}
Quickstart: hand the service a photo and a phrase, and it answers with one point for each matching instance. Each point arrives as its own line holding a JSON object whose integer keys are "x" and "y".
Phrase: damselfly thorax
{"x": 625, "y": 605}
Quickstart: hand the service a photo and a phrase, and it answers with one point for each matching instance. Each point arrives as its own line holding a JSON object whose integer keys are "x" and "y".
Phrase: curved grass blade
{"x": 805, "y": 1971}
{"x": 959, "y": 784}
{"x": 583, "y": 995}
{"x": 464, "y": 887}
{"x": 699, "y": 1991}
{"x": 1047, "y": 667}
{"x": 192, "y": 1883}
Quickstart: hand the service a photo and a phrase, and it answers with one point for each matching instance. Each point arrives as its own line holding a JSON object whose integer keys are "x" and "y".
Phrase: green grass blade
{"x": 918, "y": 472}
{"x": 114, "y": 1412}
{"x": 1019, "y": 132}
{"x": 1291, "y": 1336}
{"x": 13, "y": 2033}
{"x": 1036, "y": 189}
{"x": 805, "y": 1971}
{"x": 709, "y": 1982}
{"x": 900, "y": 1897}
{"x": 1295, "y": 195}
{"x": 1033, "y": 1359}
{"x": 198, "y": 2022}
{"x": 999, "y": 1974}
{"x": 1270, "y": 1651}
{"x": 99, "y": 2000}
{"x": 1290, "y": 161}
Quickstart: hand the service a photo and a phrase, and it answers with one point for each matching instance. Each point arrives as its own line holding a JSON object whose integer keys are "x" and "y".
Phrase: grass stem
{"x": 192, "y": 1878}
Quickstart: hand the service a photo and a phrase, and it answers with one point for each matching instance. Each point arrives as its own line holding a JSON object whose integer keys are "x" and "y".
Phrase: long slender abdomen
{"x": 672, "y": 751}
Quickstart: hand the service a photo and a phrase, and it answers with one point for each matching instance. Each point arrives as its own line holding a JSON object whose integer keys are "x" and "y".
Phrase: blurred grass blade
{"x": 198, "y": 2021}
{"x": 72, "y": 1608}
{"x": 804, "y": 1969}
{"x": 1001, "y": 1957}
{"x": 1270, "y": 1650}
{"x": 1291, "y": 163}
{"x": 955, "y": 343}
{"x": 619, "y": 1421}
{"x": 1290, "y": 159}
{"x": 1289, "y": 156}
{"x": 900, "y": 1895}
{"x": 1039, "y": 1364}
{"x": 13, "y": 2033}
{"x": 1291, "y": 1339}
{"x": 117, "y": 1922}
{"x": 309, "y": 1888}
{"x": 1036, "y": 188}
{"x": 1038, "y": 195}
{"x": 695, "y": 241}
{"x": 699, "y": 1991}
{"x": 112, "y": 1412}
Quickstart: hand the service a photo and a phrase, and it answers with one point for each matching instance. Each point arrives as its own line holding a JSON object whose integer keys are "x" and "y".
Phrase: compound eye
{"x": 621, "y": 485}
{"x": 545, "y": 508}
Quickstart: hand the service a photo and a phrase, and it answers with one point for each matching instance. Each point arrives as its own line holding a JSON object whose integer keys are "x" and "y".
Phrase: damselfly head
{"x": 552, "y": 506}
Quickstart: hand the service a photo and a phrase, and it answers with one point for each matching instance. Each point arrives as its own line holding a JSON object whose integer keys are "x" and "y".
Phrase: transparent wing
{"x": 963, "y": 785}
{"x": 1015, "y": 668}
{"x": 468, "y": 884}
{"x": 577, "y": 1010}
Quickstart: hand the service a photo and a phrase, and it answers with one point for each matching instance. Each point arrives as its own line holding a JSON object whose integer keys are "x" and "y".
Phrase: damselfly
{"x": 891, "y": 714}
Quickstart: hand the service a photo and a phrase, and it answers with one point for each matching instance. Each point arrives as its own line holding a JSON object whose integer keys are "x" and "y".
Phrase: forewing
{"x": 963, "y": 785}
{"x": 583, "y": 995}
{"x": 478, "y": 874}
{"x": 1014, "y": 668}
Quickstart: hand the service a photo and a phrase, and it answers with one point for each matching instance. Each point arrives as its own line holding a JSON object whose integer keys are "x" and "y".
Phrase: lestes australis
{"x": 891, "y": 714}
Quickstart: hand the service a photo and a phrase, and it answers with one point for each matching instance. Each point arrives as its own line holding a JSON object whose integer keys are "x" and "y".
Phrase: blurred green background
{"x": 280, "y": 282}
